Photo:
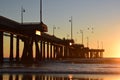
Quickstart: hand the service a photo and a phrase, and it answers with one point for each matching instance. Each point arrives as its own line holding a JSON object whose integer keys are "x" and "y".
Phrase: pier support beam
{"x": 101, "y": 54}
{"x": 91, "y": 54}
{"x": 24, "y": 54}
{"x": 47, "y": 50}
{"x": 11, "y": 48}
{"x": 1, "y": 47}
{"x": 17, "y": 77}
{"x": 61, "y": 52}
{"x": 56, "y": 51}
{"x": 38, "y": 56}
{"x": 65, "y": 52}
{"x": 27, "y": 56}
{"x": 43, "y": 50}
{"x": 1, "y": 77}
{"x": 11, "y": 77}
{"x": 17, "y": 49}
{"x": 51, "y": 51}
{"x": 54, "y": 54}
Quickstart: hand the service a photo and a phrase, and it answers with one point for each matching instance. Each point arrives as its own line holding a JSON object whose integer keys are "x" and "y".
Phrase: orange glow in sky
{"x": 102, "y": 17}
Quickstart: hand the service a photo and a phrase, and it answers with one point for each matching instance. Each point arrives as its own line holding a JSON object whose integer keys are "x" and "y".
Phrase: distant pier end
{"x": 79, "y": 51}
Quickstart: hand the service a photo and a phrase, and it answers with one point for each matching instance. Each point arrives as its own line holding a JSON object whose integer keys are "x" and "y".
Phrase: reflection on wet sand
{"x": 43, "y": 77}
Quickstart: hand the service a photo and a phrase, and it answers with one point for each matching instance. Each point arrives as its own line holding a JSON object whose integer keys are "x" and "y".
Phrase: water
{"x": 61, "y": 71}
{"x": 58, "y": 77}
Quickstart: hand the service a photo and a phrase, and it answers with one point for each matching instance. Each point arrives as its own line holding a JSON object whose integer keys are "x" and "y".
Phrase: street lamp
{"x": 70, "y": 43}
{"x": 54, "y": 30}
{"x": 71, "y": 27}
{"x": 22, "y": 11}
{"x": 40, "y": 10}
{"x": 38, "y": 32}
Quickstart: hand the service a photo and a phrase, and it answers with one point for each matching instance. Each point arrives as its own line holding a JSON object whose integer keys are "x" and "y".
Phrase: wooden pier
{"x": 46, "y": 46}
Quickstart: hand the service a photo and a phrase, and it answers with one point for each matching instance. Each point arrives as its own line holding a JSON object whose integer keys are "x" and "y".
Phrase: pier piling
{"x": 1, "y": 47}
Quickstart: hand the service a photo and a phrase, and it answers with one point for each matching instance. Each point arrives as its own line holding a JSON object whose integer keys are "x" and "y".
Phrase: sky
{"x": 102, "y": 17}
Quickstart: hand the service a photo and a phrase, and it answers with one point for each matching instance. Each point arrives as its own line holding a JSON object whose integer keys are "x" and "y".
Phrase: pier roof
{"x": 29, "y": 29}
{"x": 25, "y": 29}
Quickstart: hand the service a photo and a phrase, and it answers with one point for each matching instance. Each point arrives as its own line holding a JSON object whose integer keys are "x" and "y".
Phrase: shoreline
{"x": 94, "y": 61}
{"x": 81, "y": 60}
{"x": 46, "y": 70}
{"x": 53, "y": 72}
{"x": 56, "y": 67}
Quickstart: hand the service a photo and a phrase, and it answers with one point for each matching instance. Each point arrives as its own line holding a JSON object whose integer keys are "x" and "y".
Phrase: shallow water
{"x": 60, "y": 71}
{"x": 58, "y": 77}
{"x": 60, "y": 67}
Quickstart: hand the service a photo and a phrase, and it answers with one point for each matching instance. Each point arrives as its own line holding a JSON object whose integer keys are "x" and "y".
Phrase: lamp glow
{"x": 38, "y": 32}
{"x": 70, "y": 43}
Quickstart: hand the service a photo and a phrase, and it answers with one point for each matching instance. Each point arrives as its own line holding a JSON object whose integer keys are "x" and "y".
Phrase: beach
{"x": 64, "y": 70}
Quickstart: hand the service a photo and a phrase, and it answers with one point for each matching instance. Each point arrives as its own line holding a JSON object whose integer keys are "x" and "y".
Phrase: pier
{"x": 79, "y": 51}
{"x": 46, "y": 46}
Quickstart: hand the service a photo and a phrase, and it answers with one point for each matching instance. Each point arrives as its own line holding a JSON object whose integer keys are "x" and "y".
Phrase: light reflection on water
{"x": 58, "y": 77}
{"x": 99, "y": 71}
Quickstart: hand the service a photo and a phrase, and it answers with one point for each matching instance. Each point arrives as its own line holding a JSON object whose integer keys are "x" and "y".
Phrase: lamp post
{"x": 22, "y": 11}
{"x": 40, "y": 10}
{"x": 54, "y": 30}
{"x": 71, "y": 27}
{"x": 43, "y": 26}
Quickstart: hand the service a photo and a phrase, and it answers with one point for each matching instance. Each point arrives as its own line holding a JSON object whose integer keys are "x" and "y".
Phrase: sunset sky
{"x": 102, "y": 17}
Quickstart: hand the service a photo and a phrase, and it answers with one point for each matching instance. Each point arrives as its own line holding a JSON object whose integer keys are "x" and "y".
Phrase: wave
{"x": 55, "y": 72}
{"x": 65, "y": 68}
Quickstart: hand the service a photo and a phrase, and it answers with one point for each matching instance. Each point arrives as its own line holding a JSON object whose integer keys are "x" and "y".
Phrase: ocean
{"x": 62, "y": 70}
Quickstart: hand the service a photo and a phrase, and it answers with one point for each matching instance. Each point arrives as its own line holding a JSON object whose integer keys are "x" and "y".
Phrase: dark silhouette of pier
{"x": 46, "y": 46}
